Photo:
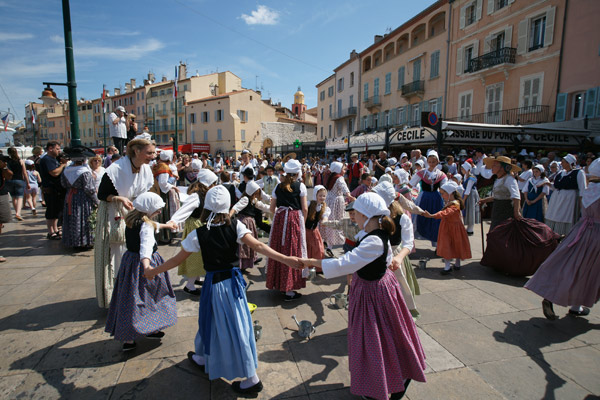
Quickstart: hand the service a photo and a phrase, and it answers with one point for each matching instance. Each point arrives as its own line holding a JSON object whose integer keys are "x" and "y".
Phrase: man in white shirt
{"x": 218, "y": 164}
{"x": 118, "y": 128}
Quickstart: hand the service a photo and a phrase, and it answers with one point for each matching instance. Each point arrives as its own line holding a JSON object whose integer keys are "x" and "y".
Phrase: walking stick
{"x": 482, "y": 235}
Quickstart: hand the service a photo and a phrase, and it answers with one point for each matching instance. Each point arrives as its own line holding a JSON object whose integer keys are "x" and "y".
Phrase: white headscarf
{"x": 385, "y": 178}
{"x": 458, "y": 177}
{"x": 293, "y": 167}
{"x": 570, "y": 159}
{"x": 592, "y": 193}
{"x": 148, "y": 203}
{"x": 402, "y": 175}
{"x": 166, "y": 155}
{"x": 449, "y": 187}
{"x": 206, "y": 177}
{"x": 433, "y": 153}
{"x": 336, "y": 167}
{"x": 370, "y": 205}
{"x": 217, "y": 201}
{"x": 540, "y": 167}
{"x": 386, "y": 191}
{"x": 251, "y": 188}
{"x": 467, "y": 166}
{"x": 316, "y": 191}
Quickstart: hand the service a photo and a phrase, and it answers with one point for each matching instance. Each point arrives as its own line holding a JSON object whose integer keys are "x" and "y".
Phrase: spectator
{"x": 110, "y": 152}
{"x": 118, "y": 128}
{"x": 54, "y": 194}
{"x": 19, "y": 182}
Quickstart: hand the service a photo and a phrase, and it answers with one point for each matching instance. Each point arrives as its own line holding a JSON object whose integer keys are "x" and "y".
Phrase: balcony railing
{"x": 343, "y": 113}
{"x": 513, "y": 116}
{"x": 501, "y": 56}
{"x": 371, "y": 102}
{"x": 415, "y": 87}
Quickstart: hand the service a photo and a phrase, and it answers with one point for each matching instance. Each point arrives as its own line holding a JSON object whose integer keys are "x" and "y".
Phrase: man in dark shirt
{"x": 50, "y": 170}
{"x": 381, "y": 164}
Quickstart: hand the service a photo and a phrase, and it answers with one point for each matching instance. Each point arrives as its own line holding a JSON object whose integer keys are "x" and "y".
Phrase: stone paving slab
{"x": 457, "y": 384}
{"x": 580, "y": 364}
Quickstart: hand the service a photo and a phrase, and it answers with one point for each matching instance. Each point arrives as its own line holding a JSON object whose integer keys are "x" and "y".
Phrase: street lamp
{"x": 49, "y": 97}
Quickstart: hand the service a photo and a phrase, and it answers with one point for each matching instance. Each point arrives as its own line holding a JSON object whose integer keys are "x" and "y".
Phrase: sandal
{"x": 18, "y": 218}
{"x": 2, "y": 259}
{"x": 54, "y": 236}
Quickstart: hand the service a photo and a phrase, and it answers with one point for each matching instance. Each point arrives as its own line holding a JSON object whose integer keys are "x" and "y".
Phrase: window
{"x": 162, "y": 92}
{"x": 467, "y": 57}
{"x": 401, "y": 115}
{"x": 433, "y": 106}
{"x": 243, "y": 115}
{"x": 137, "y": 96}
{"x": 321, "y": 132}
{"x": 219, "y": 134}
{"x": 351, "y": 125}
{"x": 464, "y": 110}
{"x": 497, "y": 42}
{"x": 205, "y": 116}
{"x": 339, "y": 108}
{"x": 376, "y": 89}
{"x": 142, "y": 95}
{"x": 185, "y": 88}
{"x": 417, "y": 70}
{"x": 302, "y": 128}
{"x": 330, "y": 91}
{"x": 192, "y": 118}
{"x": 330, "y": 110}
{"x": 340, "y": 85}
{"x": 172, "y": 123}
{"x": 435, "y": 65}
{"x": 531, "y": 91}
{"x": 388, "y": 83}
{"x": 375, "y": 119}
{"x": 138, "y": 110}
{"x": 470, "y": 14}
{"x": 322, "y": 112}
{"x": 351, "y": 79}
{"x": 386, "y": 118}
{"x": 172, "y": 106}
{"x": 416, "y": 114}
{"x": 329, "y": 131}
{"x": 180, "y": 121}
{"x": 143, "y": 109}
{"x": 351, "y": 101}
{"x": 366, "y": 92}
{"x": 537, "y": 31}
{"x": 218, "y": 115}
{"x": 578, "y": 105}
{"x": 493, "y": 103}
{"x": 498, "y": 4}
{"x": 400, "y": 77}
{"x": 322, "y": 95}
{"x": 364, "y": 123}
{"x": 338, "y": 128}
{"x": 243, "y": 135}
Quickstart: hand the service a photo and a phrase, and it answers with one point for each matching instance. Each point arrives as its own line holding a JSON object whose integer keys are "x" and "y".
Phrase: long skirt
{"x": 429, "y": 227}
{"x": 563, "y": 211}
{"x": 247, "y": 255}
{"x": 139, "y": 307}
{"x": 232, "y": 345}
{"x": 314, "y": 244}
{"x": 453, "y": 241}
{"x": 409, "y": 286}
{"x": 337, "y": 205}
{"x": 501, "y": 211}
{"x": 171, "y": 200}
{"x": 292, "y": 242}
{"x": 76, "y": 214}
{"x": 383, "y": 343}
{"x": 570, "y": 276}
{"x": 107, "y": 256}
{"x": 472, "y": 214}
{"x": 536, "y": 210}
{"x": 194, "y": 265}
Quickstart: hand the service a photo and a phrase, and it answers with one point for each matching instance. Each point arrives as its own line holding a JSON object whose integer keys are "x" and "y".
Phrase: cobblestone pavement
{"x": 485, "y": 336}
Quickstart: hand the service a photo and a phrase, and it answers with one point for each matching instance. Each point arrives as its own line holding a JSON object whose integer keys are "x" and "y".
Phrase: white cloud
{"x": 132, "y": 52}
{"x": 263, "y": 15}
{"x": 57, "y": 39}
{"x": 5, "y": 36}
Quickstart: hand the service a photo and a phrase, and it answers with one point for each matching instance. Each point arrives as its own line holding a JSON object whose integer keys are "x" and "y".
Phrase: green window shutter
{"x": 590, "y": 102}
{"x": 440, "y": 104}
{"x": 400, "y": 77}
{"x": 561, "y": 107}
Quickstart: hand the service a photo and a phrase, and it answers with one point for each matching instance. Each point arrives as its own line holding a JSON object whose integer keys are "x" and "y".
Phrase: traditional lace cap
{"x": 251, "y": 188}
{"x": 433, "y": 153}
{"x": 386, "y": 191}
{"x": 594, "y": 168}
{"x": 467, "y": 166}
{"x": 540, "y": 167}
{"x": 570, "y": 158}
{"x": 292, "y": 166}
{"x": 217, "y": 201}
{"x": 385, "y": 178}
{"x": 316, "y": 191}
{"x": 458, "y": 177}
{"x": 166, "y": 155}
{"x": 148, "y": 203}
{"x": 206, "y": 177}
{"x": 371, "y": 205}
{"x": 336, "y": 167}
{"x": 449, "y": 187}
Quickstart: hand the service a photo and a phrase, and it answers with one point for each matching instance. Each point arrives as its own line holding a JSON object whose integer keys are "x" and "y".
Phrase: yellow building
{"x": 86, "y": 123}
{"x": 229, "y": 122}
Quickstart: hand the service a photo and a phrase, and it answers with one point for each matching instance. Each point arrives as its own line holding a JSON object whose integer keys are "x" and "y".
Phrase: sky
{"x": 275, "y": 45}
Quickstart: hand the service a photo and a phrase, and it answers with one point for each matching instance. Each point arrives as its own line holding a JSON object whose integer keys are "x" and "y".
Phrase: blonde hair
{"x": 286, "y": 182}
{"x": 137, "y": 217}
{"x": 92, "y": 159}
{"x": 137, "y": 145}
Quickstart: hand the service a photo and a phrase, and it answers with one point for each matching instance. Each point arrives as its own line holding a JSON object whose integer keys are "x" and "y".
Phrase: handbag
{"x": 117, "y": 229}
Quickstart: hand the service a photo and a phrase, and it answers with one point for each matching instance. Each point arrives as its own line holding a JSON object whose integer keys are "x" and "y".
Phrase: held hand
{"x": 176, "y": 189}
{"x": 518, "y": 216}
{"x": 293, "y": 262}
{"x": 126, "y": 202}
{"x": 394, "y": 265}
{"x": 172, "y": 225}
{"x": 149, "y": 273}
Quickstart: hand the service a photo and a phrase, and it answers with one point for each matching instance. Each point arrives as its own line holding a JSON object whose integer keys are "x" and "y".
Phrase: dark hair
{"x": 458, "y": 198}
{"x": 364, "y": 176}
{"x": 224, "y": 175}
{"x": 529, "y": 163}
{"x": 14, "y": 154}
{"x": 115, "y": 157}
{"x": 387, "y": 224}
{"x": 51, "y": 144}
{"x": 219, "y": 218}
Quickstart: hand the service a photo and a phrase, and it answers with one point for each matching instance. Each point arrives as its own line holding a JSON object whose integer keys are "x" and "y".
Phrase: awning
{"x": 188, "y": 148}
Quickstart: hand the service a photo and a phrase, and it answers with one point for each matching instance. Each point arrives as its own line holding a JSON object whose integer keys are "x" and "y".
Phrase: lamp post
{"x": 48, "y": 95}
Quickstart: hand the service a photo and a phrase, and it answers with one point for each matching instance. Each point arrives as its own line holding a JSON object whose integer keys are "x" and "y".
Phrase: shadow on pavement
{"x": 537, "y": 333}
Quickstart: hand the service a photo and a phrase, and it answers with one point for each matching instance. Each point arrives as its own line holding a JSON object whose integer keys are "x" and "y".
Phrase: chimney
{"x": 377, "y": 38}
{"x": 132, "y": 81}
{"x": 117, "y": 91}
{"x": 164, "y": 78}
{"x": 182, "y": 70}
{"x": 127, "y": 87}
{"x": 353, "y": 54}
{"x": 151, "y": 77}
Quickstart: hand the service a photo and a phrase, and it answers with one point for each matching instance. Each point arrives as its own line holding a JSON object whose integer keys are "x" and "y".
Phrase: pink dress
{"x": 335, "y": 202}
{"x": 570, "y": 276}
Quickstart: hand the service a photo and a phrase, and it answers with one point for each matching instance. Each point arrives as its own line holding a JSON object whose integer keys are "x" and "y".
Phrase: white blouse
{"x": 367, "y": 251}
{"x": 191, "y": 244}
{"x": 408, "y": 238}
{"x": 186, "y": 209}
{"x": 243, "y": 203}
{"x": 147, "y": 240}
{"x": 163, "y": 183}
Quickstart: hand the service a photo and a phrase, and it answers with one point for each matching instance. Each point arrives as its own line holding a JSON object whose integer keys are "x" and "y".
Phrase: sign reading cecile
{"x": 412, "y": 135}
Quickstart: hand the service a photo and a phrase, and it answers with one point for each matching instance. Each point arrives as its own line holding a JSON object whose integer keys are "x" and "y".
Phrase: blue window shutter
{"x": 370, "y": 121}
{"x": 216, "y": 115}
{"x": 424, "y": 105}
{"x": 400, "y": 77}
{"x": 590, "y": 102}
{"x": 393, "y": 116}
{"x": 561, "y": 107}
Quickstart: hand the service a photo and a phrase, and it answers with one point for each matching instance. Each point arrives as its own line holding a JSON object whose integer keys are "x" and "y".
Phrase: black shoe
{"x": 548, "y": 310}
{"x": 295, "y": 296}
{"x": 470, "y": 233}
{"x": 257, "y": 260}
{"x": 252, "y": 389}
{"x": 199, "y": 283}
{"x": 446, "y": 271}
{"x": 156, "y": 335}
{"x": 128, "y": 347}
{"x": 582, "y": 313}
{"x": 194, "y": 363}
{"x": 195, "y": 292}
{"x": 454, "y": 267}
{"x": 399, "y": 395}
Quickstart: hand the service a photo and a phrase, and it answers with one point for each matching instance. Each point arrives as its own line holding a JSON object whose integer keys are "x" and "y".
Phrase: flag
{"x": 175, "y": 85}
{"x": 32, "y": 116}
{"x": 5, "y": 120}
{"x": 103, "y": 97}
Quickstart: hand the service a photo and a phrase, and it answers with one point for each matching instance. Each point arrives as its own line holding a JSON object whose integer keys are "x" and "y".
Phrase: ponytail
{"x": 457, "y": 197}
{"x": 387, "y": 224}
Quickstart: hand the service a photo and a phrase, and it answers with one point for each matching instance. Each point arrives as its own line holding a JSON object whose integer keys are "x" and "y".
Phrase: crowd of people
{"x": 373, "y": 208}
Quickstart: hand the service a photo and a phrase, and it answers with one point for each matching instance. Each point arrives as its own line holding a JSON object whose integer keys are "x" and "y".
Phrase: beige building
{"x": 160, "y": 103}
{"x": 86, "y": 123}
{"x": 229, "y": 122}
{"x": 57, "y": 123}
{"x": 325, "y": 104}
{"x": 347, "y": 84}
{"x": 504, "y": 60}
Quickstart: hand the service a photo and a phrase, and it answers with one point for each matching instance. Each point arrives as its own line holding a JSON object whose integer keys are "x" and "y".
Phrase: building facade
{"x": 325, "y": 104}
{"x": 345, "y": 110}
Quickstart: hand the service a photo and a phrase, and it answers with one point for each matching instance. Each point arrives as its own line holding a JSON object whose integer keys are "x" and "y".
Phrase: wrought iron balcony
{"x": 501, "y": 56}
{"x": 343, "y": 113}
{"x": 413, "y": 88}
{"x": 371, "y": 102}
{"x": 513, "y": 116}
